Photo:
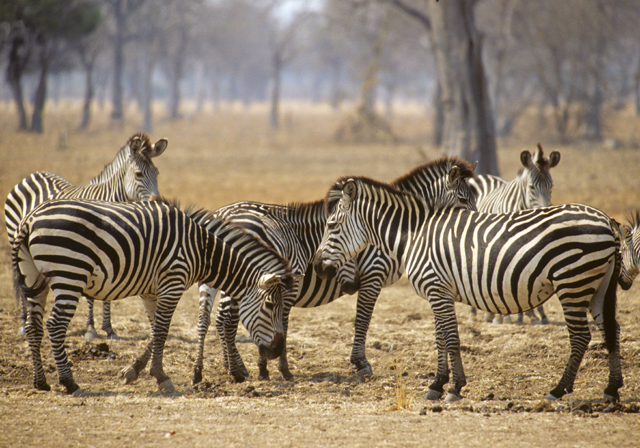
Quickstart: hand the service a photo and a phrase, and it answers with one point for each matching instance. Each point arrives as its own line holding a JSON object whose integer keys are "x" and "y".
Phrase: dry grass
{"x": 231, "y": 155}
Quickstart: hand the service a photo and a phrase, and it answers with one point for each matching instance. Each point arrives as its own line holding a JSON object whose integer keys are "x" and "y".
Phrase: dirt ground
{"x": 231, "y": 155}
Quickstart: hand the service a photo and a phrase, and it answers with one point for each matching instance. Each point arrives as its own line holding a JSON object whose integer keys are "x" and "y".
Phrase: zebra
{"x": 630, "y": 251}
{"x": 295, "y": 231}
{"x": 110, "y": 251}
{"x": 530, "y": 189}
{"x": 503, "y": 263}
{"x": 131, "y": 176}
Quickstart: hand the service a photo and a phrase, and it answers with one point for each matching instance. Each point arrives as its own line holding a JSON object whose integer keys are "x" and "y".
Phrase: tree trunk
{"x": 118, "y": 61}
{"x": 15, "y": 69}
{"x": 40, "y": 98}
{"x": 148, "y": 96}
{"x": 88, "y": 97}
{"x": 274, "y": 116}
{"x": 469, "y": 129}
{"x": 176, "y": 75}
{"x": 438, "y": 119}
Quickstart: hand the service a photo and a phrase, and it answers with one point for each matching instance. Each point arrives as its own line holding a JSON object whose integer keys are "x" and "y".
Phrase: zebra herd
{"x": 495, "y": 245}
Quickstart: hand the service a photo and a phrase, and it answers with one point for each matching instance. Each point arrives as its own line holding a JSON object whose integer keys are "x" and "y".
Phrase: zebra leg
{"x": 283, "y": 363}
{"x": 367, "y": 297}
{"x": 436, "y": 389}
{"x": 472, "y": 314}
{"x": 23, "y": 315}
{"x": 447, "y": 331}
{"x": 495, "y": 319}
{"x": 91, "y": 332}
{"x": 62, "y": 312}
{"x": 579, "y": 337}
{"x": 130, "y": 373}
{"x": 597, "y": 310}
{"x": 207, "y": 297}
{"x": 106, "y": 321}
{"x": 544, "y": 320}
{"x": 531, "y": 315}
{"x": 227, "y": 321}
{"x": 166, "y": 306}
{"x": 34, "y": 331}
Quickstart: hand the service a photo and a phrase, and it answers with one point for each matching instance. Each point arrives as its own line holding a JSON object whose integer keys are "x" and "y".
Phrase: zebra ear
{"x": 454, "y": 174}
{"x": 157, "y": 148}
{"x": 269, "y": 280}
{"x": 349, "y": 191}
{"x": 525, "y": 158}
{"x": 554, "y": 159}
{"x": 135, "y": 144}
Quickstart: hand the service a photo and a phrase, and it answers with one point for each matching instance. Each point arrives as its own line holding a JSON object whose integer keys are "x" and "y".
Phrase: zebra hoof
{"x": 451, "y": 397}
{"x": 21, "y": 331}
{"x": 611, "y": 398}
{"x": 113, "y": 337}
{"x": 197, "y": 376}
{"x": 90, "y": 335}
{"x": 365, "y": 371}
{"x": 166, "y": 387}
{"x": 128, "y": 375}
{"x": 78, "y": 393}
{"x": 551, "y": 397}
{"x": 433, "y": 395}
{"x": 544, "y": 321}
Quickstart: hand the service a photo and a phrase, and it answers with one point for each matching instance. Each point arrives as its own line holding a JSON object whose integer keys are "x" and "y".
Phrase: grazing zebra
{"x": 530, "y": 189}
{"x": 110, "y": 251}
{"x": 630, "y": 251}
{"x": 131, "y": 176}
{"x": 503, "y": 263}
{"x": 295, "y": 231}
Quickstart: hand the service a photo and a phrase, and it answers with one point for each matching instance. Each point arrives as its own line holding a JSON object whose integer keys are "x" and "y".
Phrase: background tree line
{"x": 477, "y": 65}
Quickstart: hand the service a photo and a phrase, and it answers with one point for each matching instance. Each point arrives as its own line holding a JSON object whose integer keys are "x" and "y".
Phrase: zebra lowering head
{"x": 630, "y": 250}
{"x": 132, "y": 175}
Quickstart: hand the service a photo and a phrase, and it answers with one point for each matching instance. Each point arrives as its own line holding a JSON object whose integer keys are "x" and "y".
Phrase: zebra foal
{"x": 530, "y": 189}
{"x": 295, "y": 231}
{"x": 502, "y": 263}
{"x": 110, "y": 251}
{"x": 131, "y": 176}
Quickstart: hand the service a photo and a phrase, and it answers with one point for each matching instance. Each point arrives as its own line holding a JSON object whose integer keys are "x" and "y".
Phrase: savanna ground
{"x": 230, "y": 155}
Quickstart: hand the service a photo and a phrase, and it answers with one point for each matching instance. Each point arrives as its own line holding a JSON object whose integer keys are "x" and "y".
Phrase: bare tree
{"x": 468, "y": 126}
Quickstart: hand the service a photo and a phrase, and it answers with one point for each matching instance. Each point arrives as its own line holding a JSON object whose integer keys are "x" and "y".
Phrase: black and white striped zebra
{"x": 131, "y": 176}
{"x": 630, "y": 251}
{"x": 110, "y": 251}
{"x": 295, "y": 231}
{"x": 503, "y": 263}
{"x": 530, "y": 189}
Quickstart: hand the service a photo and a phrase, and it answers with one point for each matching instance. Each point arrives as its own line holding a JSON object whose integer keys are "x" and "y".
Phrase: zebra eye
{"x": 139, "y": 174}
{"x": 332, "y": 225}
{"x": 269, "y": 304}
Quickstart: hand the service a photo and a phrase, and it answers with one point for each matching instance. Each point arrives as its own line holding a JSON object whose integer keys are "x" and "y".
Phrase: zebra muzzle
{"x": 274, "y": 349}
{"x": 324, "y": 270}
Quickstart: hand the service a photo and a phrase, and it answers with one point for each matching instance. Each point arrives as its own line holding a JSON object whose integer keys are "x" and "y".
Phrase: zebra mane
{"x": 634, "y": 220}
{"x": 123, "y": 154}
{"x": 335, "y": 192}
{"x": 235, "y": 236}
{"x": 296, "y": 209}
{"x": 436, "y": 168}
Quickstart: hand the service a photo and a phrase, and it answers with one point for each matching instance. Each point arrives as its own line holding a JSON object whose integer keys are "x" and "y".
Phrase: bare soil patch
{"x": 228, "y": 156}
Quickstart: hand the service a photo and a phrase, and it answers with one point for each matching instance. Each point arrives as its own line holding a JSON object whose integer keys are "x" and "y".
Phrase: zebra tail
{"x": 22, "y": 291}
{"x": 610, "y": 302}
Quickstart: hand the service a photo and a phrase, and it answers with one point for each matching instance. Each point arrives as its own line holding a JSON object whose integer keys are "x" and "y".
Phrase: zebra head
{"x": 537, "y": 176}
{"x": 261, "y": 312}
{"x": 344, "y": 236}
{"x": 140, "y": 174}
{"x": 630, "y": 251}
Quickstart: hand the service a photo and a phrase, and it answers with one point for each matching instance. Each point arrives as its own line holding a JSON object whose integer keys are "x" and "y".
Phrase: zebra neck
{"x": 394, "y": 227}
{"x": 112, "y": 169}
